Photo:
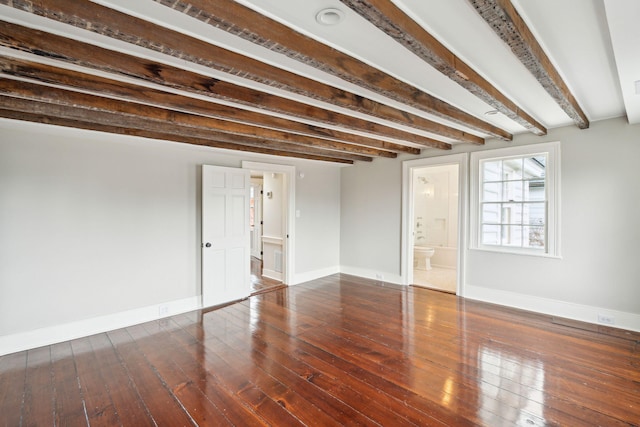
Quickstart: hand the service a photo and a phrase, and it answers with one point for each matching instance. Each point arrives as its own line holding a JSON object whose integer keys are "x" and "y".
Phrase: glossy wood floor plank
{"x": 12, "y": 386}
{"x": 38, "y": 404}
{"x": 122, "y": 391}
{"x": 336, "y": 351}
{"x": 98, "y": 404}
{"x": 428, "y": 353}
{"x": 69, "y": 407}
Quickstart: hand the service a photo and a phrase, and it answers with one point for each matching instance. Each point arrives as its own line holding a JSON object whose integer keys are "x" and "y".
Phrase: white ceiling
{"x": 623, "y": 18}
{"x": 592, "y": 43}
{"x": 574, "y": 34}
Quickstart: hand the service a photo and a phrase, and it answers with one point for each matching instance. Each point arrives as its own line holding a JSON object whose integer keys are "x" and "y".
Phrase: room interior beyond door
{"x": 435, "y": 227}
{"x": 267, "y": 231}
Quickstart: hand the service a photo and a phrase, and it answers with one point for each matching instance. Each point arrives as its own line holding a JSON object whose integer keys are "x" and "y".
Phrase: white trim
{"x": 83, "y": 328}
{"x": 553, "y": 197}
{"x": 568, "y": 310}
{"x": 406, "y": 257}
{"x": 272, "y": 274}
{"x": 289, "y": 173}
{"x": 272, "y": 240}
{"x": 373, "y": 275}
{"x": 315, "y": 274}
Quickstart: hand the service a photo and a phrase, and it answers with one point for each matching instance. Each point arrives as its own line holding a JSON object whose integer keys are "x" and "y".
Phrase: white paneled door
{"x": 225, "y": 235}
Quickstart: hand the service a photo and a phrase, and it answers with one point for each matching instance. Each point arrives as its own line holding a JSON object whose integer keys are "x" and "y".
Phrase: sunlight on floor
{"x": 443, "y": 279}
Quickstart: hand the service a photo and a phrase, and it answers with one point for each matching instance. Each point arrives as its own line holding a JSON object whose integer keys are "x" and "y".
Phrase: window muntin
{"x": 514, "y": 199}
{"x": 513, "y": 202}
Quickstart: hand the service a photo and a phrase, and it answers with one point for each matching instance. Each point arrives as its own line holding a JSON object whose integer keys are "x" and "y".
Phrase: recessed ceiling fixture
{"x": 491, "y": 113}
{"x": 330, "y": 16}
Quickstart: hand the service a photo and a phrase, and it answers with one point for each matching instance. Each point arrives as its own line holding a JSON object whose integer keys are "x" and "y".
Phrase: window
{"x": 514, "y": 199}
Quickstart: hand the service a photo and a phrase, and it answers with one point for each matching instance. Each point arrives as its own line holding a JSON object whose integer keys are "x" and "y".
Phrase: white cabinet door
{"x": 225, "y": 235}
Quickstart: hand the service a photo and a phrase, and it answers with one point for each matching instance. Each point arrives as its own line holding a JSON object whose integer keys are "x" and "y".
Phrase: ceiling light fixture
{"x": 330, "y": 16}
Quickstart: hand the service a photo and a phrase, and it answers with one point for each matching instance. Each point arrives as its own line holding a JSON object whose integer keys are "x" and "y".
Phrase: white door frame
{"x": 289, "y": 184}
{"x": 408, "y": 167}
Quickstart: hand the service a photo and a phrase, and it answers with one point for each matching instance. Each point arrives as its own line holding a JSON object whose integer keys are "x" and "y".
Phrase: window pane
{"x": 534, "y": 213}
{"x": 512, "y": 169}
{"x": 512, "y": 191}
{"x": 535, "y": 237}
{"x": 492, "y": 171}
{"x": 534, "y": 167}
{"x": 511, "y": 235}
{"x": 492, "y": 192}
{"x": 534, "y": 190}
{"x": 490, "y": 234}
{"x": 512, "y": 213}
{"x": 491, "y": 213}
{"x": 512, "y": 207}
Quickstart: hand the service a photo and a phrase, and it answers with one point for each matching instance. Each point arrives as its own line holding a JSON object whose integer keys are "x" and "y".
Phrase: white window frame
{"x": 552, "y": 189}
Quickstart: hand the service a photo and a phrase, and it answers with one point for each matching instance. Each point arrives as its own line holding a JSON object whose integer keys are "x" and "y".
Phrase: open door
{"x": 225, "y": 235}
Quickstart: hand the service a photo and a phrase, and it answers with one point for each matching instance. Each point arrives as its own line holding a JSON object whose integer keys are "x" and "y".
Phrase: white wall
{"x": 318, "y": 221}
{"x": 600, "y": 201}
{"x": 370, "y": 202}
{"x": 273, "y": 229}
{"x": 92, "y": 225}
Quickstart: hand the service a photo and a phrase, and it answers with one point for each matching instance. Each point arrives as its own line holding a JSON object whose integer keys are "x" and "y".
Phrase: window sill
{"x": 515, "y": 252}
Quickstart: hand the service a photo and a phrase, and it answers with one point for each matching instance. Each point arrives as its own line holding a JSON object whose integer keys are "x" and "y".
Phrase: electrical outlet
{"x": 379, "y": 277}
{"x": 163, "y": 310}
{"x": 606, "y": 320}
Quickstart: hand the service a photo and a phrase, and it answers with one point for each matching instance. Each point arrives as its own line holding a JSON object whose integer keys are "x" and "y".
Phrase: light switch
{"x": 297, "y": 213}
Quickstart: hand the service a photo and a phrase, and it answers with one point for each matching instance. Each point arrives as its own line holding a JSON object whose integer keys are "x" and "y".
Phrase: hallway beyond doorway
{"x": 260, "y": 284}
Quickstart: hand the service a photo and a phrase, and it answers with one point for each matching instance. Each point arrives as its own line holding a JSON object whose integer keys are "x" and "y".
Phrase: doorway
{"x": 271, "y": 228}
{"x": 434, "y": 194}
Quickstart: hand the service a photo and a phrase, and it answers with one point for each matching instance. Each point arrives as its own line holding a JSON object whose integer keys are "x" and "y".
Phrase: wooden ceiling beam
{"x": 58, "y": 115}
{"x": 47, "y": 74}
{"x": 92, "y": 104}
{"x": 102, "y": 20}
{"x": 244, "y": 22}
{"x": 505, "y": 20}
{"x": 81, "y": 54}
{"x": 396, "y": 24}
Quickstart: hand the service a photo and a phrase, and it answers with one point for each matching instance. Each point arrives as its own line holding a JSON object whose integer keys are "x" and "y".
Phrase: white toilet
{"x": 422, "y": 257}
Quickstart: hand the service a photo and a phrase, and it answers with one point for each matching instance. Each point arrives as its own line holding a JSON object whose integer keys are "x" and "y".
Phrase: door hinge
{"x": 261, "y": 253}
{"x": 261, "y": 222}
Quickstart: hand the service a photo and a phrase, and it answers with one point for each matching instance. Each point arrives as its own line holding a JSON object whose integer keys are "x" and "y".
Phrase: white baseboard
{"x": 82, "y": 328}
{"x": 568, "y": 310}
{"x": 373, "y": 275}
{"x": 315, "y": 274}
{"x": 271, "y": 274}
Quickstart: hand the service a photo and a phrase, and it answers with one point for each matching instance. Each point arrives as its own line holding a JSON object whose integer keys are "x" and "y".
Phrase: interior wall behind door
{"x": 273, "y": 229}
{"x": 256, "y": 219}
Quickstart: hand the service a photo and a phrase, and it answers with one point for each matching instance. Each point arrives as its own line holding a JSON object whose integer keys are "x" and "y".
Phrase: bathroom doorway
{"x": 433, "y": 222}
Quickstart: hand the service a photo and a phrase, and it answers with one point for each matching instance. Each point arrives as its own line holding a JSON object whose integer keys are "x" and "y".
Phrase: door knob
{"x": 207, "y": 245}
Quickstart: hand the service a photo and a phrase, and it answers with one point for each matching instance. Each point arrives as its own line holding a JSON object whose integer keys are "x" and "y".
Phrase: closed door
{"x": 225, "y": 235}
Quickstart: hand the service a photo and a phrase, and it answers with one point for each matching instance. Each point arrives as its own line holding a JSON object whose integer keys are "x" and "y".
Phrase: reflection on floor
{"x": 260, "y": 284}
{"x": 442, "y": 279}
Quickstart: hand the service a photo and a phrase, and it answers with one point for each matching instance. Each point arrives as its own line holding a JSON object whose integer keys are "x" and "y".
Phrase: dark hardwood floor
{"x": 259, "y": 283}
{"x": 335, "y": 351}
